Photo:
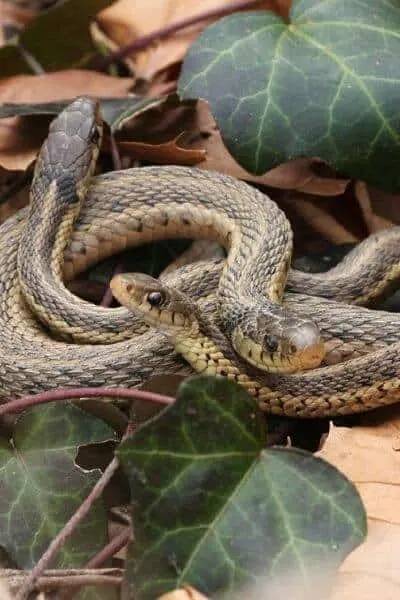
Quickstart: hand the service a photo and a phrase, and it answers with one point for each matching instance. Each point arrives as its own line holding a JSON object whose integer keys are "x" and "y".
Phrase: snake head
{"x": 279, "y": 345}
{"x": 68, "y": 156}
{"x": 159, "y": 305}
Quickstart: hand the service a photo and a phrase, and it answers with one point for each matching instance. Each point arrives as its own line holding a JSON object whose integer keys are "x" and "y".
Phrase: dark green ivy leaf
{"x": 326, "y": 84}
{"x": 212, "y": 508}
{"x": 41, "y": 486}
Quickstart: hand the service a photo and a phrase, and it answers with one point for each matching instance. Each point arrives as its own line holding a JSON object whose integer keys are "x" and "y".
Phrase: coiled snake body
{"x": 125, "y": 208}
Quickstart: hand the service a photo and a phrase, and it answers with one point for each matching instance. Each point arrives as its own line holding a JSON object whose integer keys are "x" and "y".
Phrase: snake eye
{"x": 271, "y": 343}
{"x": 155, "y": 298}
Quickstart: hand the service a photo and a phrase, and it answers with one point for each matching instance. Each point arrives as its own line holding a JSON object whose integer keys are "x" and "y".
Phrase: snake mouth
{"x": 299, "y": 350}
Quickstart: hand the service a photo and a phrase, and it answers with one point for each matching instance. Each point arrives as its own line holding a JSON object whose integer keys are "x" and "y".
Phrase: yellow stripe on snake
{"x": 131, "y": 207}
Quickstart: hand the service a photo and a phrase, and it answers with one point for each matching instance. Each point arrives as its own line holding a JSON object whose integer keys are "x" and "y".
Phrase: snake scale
{"x": 119, "y": 211}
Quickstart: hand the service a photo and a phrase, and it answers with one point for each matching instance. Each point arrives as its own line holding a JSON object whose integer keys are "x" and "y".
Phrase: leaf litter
{"x": 325, "y": 207}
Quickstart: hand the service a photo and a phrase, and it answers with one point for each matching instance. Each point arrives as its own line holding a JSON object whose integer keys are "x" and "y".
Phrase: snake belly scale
{"x": 31, "y": 361}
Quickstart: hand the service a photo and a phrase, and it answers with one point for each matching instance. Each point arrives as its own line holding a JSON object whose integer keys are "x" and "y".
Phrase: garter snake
{"x": 31, "y": 361}
{"x": 163, "y": 202}
{"x": 355, "y": 386}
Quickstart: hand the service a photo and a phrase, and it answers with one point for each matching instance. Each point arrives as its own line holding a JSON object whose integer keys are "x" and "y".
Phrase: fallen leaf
{"x": 5, "y": 593}
{"x": 368, "y": 455}
{"x": 165, "y": 153}
{"x": 319, "y": 219}
{"x": 60, "y": 85}
{"x": 18, "y": 143}
{"x": 128, "y": 20}
{"x": 384, "y": 204}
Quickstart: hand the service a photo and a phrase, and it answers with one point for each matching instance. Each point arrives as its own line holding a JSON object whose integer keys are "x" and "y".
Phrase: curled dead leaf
{"x": 164, "y": 153}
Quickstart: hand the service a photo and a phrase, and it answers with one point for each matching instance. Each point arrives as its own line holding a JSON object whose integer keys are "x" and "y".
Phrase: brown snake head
{"x": 160, "y": 306}
{"x": 287, "y": 346}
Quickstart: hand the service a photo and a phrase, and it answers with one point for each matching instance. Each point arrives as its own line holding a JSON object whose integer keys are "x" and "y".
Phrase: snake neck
{"x": 205, "y": 357}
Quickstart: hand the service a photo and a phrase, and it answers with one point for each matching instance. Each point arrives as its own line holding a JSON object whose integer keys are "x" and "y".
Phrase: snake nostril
{"x": 271, "y": 343}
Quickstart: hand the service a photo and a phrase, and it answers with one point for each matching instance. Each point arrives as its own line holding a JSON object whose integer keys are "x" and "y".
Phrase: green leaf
{"x": 41, "y": 486}
{"x": 58, "y": 38}
{"x": 327, "y": 84}
{"x": 213, "y": 509}
{"x": 97, "y": 593}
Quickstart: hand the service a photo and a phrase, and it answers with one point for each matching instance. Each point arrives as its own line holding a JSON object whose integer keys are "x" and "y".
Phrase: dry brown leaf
{"x": 319, "y": 219}
{"x": 5, "y": 593}
{"x": 127, "y": 20}
{"x": 165, "y": 153}
{"x": 18, "y": 147}
{"x": 20, "y": 138}
{"x": 60, "y": 85}
{"x": 184, "y": 593}
{"x": 385, "y": 205}
{"x": 369, "y": 456}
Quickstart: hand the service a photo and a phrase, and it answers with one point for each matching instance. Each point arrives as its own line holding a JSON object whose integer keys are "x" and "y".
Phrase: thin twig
{"x": 55, "y": 578}
{"x": 77, "y": 582}
{"x": 60, "y": 539}
{"x": 20, "y": 404}
{"x": 162, "y": 33}
{"x": 15, "y": 575}
{"x": 115, "y": 154}
{"x": 118, "y": 542}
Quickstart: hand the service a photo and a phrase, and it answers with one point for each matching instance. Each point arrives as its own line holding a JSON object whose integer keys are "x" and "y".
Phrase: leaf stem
{"x": 162, "y": 33}
{"x": 118, "y": 542}
{"x": 20, "y": 404}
